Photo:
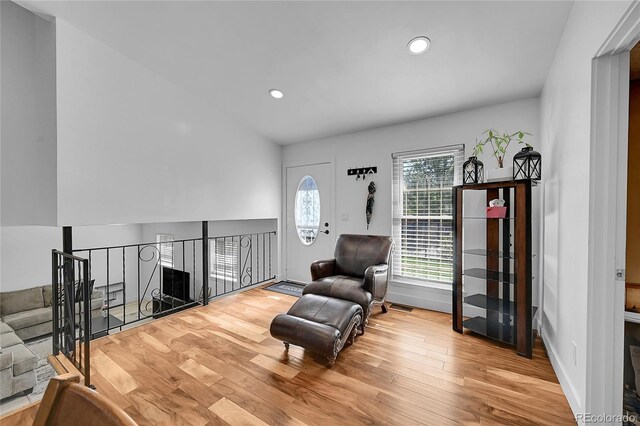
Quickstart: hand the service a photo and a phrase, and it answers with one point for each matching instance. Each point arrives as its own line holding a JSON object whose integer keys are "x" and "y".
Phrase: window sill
{"x": 422, "y": 283}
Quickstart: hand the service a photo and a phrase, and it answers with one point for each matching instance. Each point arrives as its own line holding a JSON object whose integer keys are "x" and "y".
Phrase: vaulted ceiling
{"x": 342, "y": 65}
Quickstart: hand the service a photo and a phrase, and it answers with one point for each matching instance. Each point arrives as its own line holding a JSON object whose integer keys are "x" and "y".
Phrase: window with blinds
{"x": 165, "y": 247}
{"x": 423, "y": 212}
{"x": 223, "y": 259}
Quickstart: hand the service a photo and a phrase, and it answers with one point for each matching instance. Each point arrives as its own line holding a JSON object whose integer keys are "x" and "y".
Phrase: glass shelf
{"x": 489, "y": 275}
{"x": 490, "y": 253}
{"x": 487, "y": 218}
{"x": 492, "y": 329}
{"x": 490, "y": 303}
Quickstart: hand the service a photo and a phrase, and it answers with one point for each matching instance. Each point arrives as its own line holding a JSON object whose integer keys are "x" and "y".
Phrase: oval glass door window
{"x": 307, "y": 210}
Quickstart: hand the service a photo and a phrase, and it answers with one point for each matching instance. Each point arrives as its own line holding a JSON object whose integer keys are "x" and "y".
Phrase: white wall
{"x": 25, "y": 251}
{"x": 26, "y": 255}
{"x": 88, "y": 237}
{"x": 134, "y": 148}
{"x": 565, "y": 113}
{"x": 374, "y": 147}
{"x": 28, "y": 115}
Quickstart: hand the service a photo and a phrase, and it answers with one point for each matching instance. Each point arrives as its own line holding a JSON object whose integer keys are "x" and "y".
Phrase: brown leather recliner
{"x": 359, "y": 272}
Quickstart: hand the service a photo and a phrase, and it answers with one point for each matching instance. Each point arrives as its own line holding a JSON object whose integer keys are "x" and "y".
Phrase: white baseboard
{"x": 567, "y": 386}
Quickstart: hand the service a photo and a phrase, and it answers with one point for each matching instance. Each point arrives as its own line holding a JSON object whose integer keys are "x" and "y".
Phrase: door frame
{"x": 607, "y": 226}
{"x": 332, "y": 213}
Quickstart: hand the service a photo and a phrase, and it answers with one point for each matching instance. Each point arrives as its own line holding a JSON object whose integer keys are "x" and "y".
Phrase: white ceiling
{"x": 343, "y": 65}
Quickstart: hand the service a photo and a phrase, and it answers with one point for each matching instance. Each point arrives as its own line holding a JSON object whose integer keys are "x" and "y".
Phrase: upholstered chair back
{"x": 355, "y": 253}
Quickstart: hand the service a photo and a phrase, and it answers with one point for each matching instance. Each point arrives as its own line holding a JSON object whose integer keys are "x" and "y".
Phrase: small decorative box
{"x": 496, "y": 212}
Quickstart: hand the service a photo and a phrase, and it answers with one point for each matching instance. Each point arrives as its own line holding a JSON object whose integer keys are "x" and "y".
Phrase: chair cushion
{"x": 6, "y": 361}
{"x": 21, "y": 300}
{"x": 9, "y": 339}
{"x": 28, "y": 318}
{"x": 47, "y": 295}
{"x": 335, "y": 313}
{"x": 4, "y": 328}
{"x": 341, "y": 287}
{"x": 355, "y": 253}
{"x": 23, "y": 359}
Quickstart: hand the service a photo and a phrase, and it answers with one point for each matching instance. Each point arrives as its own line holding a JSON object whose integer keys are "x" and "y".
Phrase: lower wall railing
{"x": 240, "y": 261}
{"x": 136, "y": 282}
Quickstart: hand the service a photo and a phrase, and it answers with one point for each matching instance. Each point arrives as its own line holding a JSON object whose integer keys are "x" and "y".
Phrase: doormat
{"x": 287, "y": 287}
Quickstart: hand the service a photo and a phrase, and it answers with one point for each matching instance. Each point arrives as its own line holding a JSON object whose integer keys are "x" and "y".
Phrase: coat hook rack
{"x": 362, "y": 172}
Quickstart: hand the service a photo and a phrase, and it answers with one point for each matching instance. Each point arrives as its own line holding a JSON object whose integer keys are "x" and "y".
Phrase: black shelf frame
{"x": 508, "y": 270}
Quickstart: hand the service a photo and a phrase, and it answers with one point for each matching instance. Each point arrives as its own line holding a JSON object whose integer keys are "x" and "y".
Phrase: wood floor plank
{"x": 233, "y": 414}
{"x": 105, "y": 388}
{"x": 218, "y": 365}
{"x": 275, "y": 366}
{"x": 122, "y": 381}
{"x": 199, "y": 372}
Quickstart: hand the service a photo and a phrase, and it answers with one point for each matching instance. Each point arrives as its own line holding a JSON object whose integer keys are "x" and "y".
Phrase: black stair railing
{"x": 71, "y": 310}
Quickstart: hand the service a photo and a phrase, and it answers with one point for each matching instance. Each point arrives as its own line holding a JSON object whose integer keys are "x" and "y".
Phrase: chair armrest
{"x": 376, "y": 280}
{"x": 322, "y": 268}
{"x": 6, "y": 360}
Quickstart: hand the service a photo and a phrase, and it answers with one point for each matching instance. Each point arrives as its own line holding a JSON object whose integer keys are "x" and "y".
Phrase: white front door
{"x": 309, "y": 199}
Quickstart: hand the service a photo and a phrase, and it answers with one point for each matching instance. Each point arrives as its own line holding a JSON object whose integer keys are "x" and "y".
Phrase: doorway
{"x": 607, "y": 218}
{"x": 309, "y": 218}
{"x": 631, "y": 391}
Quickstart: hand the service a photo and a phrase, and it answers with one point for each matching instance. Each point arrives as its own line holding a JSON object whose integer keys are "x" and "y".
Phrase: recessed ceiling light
{"x": 276, "y": 93}
{"x": 419, "y": 45}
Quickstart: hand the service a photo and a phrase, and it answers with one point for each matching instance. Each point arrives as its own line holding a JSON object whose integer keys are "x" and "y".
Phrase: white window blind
{"x": 423, "y": 212}
{"x": 165, "y": 247}
{"x": 223, "y": 259}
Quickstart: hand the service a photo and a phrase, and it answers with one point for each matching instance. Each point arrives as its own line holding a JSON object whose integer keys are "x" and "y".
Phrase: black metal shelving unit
{"x": 507, "y": 271}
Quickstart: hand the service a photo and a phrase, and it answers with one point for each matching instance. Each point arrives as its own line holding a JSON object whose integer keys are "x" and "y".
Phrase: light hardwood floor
{"x": 219, "y": 365}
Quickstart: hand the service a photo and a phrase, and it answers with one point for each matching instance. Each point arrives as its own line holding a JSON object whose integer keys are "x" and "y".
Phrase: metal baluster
{"x": 108, "y": 294}
{"x": 124, "y": 289}
{"x": 139, "y": 301}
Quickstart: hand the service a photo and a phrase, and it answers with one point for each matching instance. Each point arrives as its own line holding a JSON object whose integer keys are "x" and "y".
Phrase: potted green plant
{"x": 499, "y": 143}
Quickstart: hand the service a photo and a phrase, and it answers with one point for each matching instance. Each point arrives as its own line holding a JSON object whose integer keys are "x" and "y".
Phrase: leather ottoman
{"x": 318, "y": 323}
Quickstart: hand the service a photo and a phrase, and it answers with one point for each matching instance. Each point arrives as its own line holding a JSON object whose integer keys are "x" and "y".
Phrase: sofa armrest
{"x": 322, "y": 268}
{"x": 6, "y": 360}
{"x": 376, "y": 281}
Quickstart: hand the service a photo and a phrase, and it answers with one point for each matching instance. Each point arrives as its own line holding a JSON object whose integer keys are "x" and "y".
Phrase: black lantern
{"x": 472, "y": 171}
{"x": 527, "y": 164}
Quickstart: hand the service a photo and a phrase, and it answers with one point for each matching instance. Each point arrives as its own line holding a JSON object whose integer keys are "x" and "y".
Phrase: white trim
{"x": 607, "y": 218}
{"x": 331, "y": 161}
{"x": 567, "y": 386}
{"x": 632, "y": 317}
